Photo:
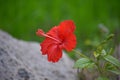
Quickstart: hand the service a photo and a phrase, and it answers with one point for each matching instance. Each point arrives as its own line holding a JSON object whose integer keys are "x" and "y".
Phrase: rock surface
{"x": 20, "y": 60}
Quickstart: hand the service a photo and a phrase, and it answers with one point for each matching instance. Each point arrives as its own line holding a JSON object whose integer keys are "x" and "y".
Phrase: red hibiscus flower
{"x": 58, "y": 38}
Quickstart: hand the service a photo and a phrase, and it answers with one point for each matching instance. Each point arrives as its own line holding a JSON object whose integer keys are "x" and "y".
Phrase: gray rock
{"x": 21, "y": 60}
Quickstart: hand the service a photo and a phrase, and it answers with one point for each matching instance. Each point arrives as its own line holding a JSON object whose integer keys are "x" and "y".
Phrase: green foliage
{"x": 102, "y": 61}
{"x": 112, "y": 60}
{"x": 111, "y": 68}
{"x": 84, "y": 63}
{"x": 102, "y": 78}
{"x": 115, "y": 71}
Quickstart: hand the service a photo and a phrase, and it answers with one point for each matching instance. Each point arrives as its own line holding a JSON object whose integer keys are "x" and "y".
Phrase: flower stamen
{"x": 41, "y": 33}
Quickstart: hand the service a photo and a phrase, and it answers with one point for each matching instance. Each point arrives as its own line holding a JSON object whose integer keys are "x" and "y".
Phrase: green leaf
{"x": 110, "y": 37}
{"x": 112, "y": 60}
{"x": 83, "y": 63}
{"x": 96, "y": 54}
{"x": 110, "y": 51}
{"x": 111, "y": 68}
{"x": 115, "y": 71}
{"x": 103, "y": 52}
{"x": 102, "y": 78}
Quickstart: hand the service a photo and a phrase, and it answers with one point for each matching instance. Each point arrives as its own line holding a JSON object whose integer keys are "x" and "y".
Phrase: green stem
{"x": 99, "y": 68}
{"x": 82, "y": 55}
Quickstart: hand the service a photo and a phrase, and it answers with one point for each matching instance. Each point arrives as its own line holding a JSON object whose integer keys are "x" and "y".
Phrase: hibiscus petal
{"x": 53, "y": 32}
{"x": 70, "y": 42}
{"x": 54, "y": 53}
{"x": 67, "y": 26}
{"x": 45, "y": 44}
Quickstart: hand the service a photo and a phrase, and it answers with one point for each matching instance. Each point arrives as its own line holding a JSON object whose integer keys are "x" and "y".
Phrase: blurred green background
{"x": 22, "y": 18}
